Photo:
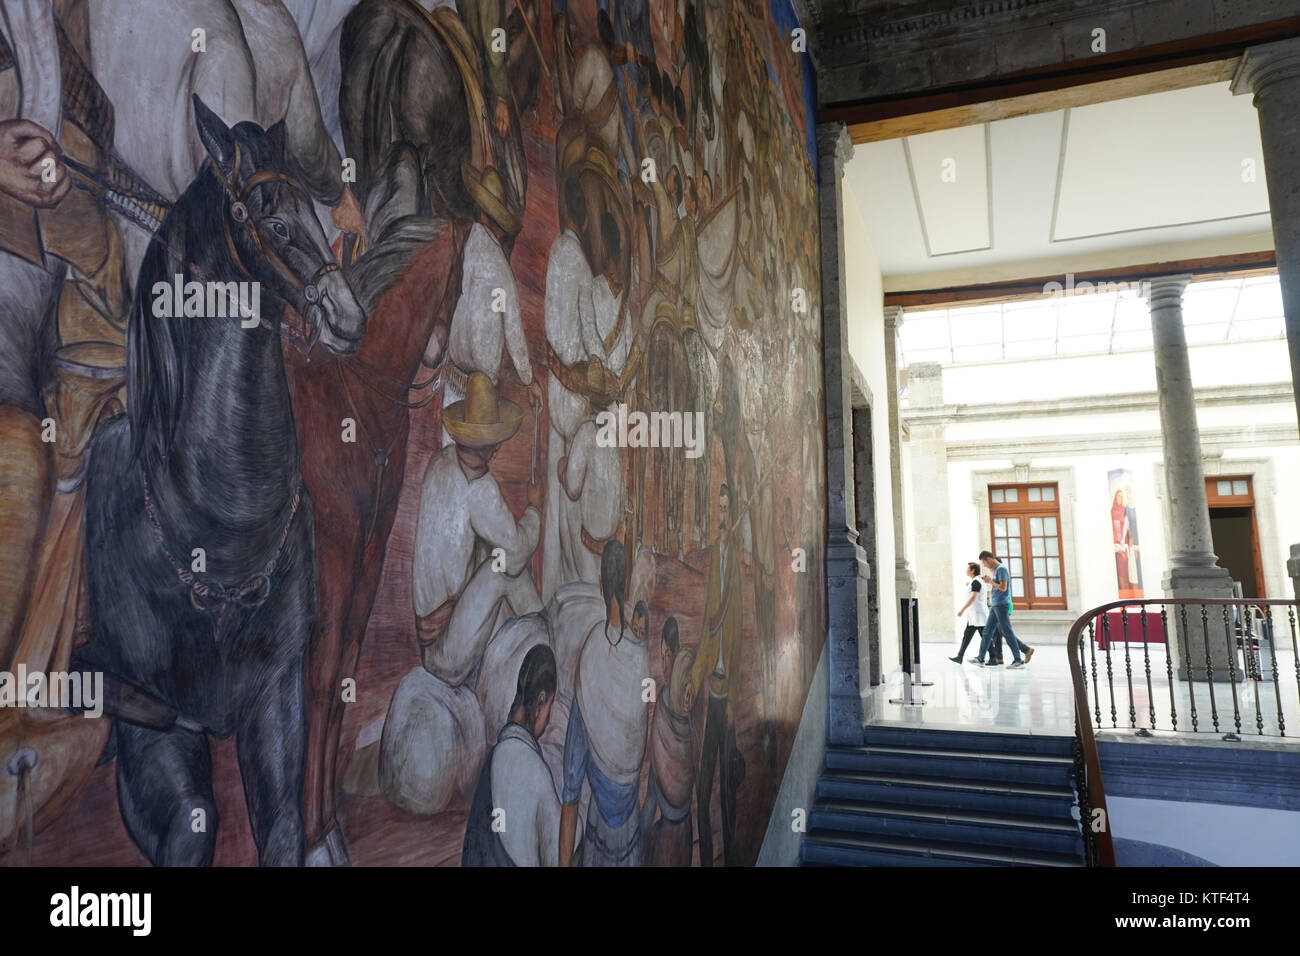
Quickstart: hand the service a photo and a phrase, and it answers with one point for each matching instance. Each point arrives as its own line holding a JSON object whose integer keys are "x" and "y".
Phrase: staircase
{"x": 914, "y": 797}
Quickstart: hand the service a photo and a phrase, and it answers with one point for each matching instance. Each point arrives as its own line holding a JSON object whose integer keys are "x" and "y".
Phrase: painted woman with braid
{"x": 606, "y": 736}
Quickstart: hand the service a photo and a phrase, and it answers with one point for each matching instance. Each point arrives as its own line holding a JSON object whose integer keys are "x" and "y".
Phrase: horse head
{"x": 272, "y": 229}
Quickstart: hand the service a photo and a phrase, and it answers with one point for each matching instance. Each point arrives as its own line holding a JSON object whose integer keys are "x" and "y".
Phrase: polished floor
{"x": 1039, "y": 698}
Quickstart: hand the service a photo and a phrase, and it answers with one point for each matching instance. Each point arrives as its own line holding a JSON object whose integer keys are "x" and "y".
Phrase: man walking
{"x": 999, "y": 581}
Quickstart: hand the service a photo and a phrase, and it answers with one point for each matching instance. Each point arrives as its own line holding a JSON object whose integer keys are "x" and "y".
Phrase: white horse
{"x": 244, "y": 58}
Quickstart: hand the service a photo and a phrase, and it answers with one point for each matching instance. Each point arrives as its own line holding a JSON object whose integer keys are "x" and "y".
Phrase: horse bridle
{"x": 239, "y": 213}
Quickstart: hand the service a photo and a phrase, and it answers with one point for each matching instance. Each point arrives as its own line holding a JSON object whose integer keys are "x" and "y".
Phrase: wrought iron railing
{"x": 1207, "y": 643}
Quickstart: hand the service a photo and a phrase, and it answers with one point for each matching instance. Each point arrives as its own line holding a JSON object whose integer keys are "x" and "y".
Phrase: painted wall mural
{"x": 412, "y": 430}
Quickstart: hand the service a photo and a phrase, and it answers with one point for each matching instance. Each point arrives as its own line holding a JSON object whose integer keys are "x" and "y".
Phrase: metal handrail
{"x": 1092, "y": 792}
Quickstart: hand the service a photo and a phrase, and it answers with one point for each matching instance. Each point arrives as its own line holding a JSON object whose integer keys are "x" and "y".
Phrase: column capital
{"x": 893, "y": 316}
{"x": 1163, "y": 292}
{"x": 833, "y": 140}
{"x": 1263, "y": 66}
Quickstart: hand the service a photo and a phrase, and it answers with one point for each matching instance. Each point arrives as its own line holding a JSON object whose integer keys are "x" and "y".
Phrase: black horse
{"x": 198, "y": 532}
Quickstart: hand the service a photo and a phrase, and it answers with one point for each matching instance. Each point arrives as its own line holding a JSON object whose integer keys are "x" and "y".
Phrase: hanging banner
{"x": 1124, "y": 530}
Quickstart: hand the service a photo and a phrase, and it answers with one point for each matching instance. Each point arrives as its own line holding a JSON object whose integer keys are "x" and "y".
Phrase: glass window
{"x": 1239, "y": 487}
{"x": 1025, "y": 526}
{"x": 1225, "y": 488}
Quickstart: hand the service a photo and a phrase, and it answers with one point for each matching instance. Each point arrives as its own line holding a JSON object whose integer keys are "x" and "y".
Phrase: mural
{"x": 412, "y": 430}
{"x": 1124, "y": 530}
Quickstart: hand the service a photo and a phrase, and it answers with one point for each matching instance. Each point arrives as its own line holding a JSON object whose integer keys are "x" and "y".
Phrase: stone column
{"x": 927, "y": 444}
{"x": 904, "y": 579}
{"x": 1193, "y": 567}
{"x": 1272, "y": 73}
{"x": 846, "y": 562}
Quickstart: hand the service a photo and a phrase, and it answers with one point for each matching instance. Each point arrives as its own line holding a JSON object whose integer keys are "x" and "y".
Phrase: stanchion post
{"x": 906, "y": 624}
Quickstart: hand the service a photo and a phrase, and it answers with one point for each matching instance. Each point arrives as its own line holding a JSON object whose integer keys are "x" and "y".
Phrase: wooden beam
{"x": 1198, "y": 74}
{"x": 1241, "y": 265}
{"x": 1194, "y": 51}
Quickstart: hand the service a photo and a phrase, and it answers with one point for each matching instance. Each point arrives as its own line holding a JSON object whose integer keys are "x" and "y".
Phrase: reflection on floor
{"x": 1039, "y": 698}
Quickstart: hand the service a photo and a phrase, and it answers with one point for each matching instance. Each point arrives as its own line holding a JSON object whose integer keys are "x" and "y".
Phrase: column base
{"x": 846, "y": 564}
{"x": 1206, "y": 641}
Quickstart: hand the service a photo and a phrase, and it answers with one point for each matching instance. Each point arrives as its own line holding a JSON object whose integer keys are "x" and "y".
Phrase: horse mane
{"x": 389, "y": 259}
{"x": 156, "y": 347}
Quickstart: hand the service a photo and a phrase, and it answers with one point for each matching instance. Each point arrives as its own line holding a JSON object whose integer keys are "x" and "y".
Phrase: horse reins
{"x": 239, "y": 213}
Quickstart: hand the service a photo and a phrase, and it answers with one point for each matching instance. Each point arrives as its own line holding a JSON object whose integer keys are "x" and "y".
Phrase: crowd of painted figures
{"x": 584, "y": 205}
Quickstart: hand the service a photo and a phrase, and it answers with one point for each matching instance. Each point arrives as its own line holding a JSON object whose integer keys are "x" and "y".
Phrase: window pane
{"x": 1054, "y": 587}
{"x": 1014, "y": 548}
{"x": 1239, "y": 488}
{"x": 1013, "y": 494}
{"x": 1049, "y": 494}
{"x": 1040, "y": 566}
{"x": 1035, "y": 526}
{"x": 999, "y": 527}
{"x": 1035, "y": 494}
{"x": 997, "y": 496}
{"x": 1049, "y": 525}
{"x": 1000, "y": 546}
{"x": 1018, "y": 588}
{"x": 1054, "y": 567}
{"x": 1015, "y": 567}
{"x": 1053, "y": 546}
{"x": 1037, "y": 546}
{"x": 1225, "y": 488}
{"x": 1040, "y": 585}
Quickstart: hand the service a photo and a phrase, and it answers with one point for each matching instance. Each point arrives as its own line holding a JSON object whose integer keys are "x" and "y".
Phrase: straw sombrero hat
{"x": 482, "y": 419}
{"x": 489, "y": 192}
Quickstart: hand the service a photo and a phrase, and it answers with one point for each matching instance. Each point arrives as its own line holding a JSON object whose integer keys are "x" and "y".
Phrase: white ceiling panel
{"x": 1166, "y": 159}
{"x": 950, "y": 178}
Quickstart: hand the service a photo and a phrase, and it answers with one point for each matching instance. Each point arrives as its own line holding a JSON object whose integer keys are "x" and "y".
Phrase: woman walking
{"x": 975, "y": 611}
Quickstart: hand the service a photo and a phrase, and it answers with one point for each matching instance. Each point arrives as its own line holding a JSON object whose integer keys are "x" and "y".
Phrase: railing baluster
{"x": 1295, "y": 651}
{"x": 1110, "y": 674}
{"x": 1146, "y": 656}
{"x": 1169, "y": 666}
{"x": 1231, "y": 639}
{"x": 1128, "y": 669}
{"x": 1209, "y": 666}
{"x": 1272, "y": 656}
{"x": 1252, "y": 665}
{"x": 1092, "y": 652}
{"x": 1187, "y": 658}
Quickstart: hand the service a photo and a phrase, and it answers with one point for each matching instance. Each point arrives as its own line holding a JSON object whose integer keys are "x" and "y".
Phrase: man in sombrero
{"x": 487, "y": 323}
{"x": 471, "y": 553}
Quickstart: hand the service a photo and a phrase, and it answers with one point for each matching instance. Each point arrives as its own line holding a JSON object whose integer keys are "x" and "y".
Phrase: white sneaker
{"x": 1017, "y": 664}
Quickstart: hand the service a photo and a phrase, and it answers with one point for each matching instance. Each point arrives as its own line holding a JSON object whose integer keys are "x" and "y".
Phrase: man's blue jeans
{"x": 1000, "y": 620}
